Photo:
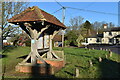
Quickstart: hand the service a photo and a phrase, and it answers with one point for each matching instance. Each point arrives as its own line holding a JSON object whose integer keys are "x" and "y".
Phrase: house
{"x": 96, "y": 39}
{"x": 109, "y": 36}
{"x": 6, "y": 41}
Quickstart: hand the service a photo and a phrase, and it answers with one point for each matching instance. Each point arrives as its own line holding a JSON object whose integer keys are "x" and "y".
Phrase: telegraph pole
{"x": 63, "y": 18}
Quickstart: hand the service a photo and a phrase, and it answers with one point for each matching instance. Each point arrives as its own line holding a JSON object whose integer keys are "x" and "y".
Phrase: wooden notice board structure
{"x": 41, "y": 27}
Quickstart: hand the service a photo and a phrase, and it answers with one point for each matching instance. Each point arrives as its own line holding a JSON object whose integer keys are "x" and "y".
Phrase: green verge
{"x": 79, "y": 58}
{"x": 75, "y": 58}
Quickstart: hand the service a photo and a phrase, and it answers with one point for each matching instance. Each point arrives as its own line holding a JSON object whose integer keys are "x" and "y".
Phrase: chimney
{"x": 105, "y": 26}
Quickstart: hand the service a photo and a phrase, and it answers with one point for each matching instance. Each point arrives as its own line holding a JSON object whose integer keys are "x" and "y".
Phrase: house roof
{"x": 118, "y": 36}
{"x": 115, "y": 29}
{"x": 35, "y": 14}
{"x": 97, "y": 36}
{"x": 112, "y": 29}
{"x": 57, "y": 38}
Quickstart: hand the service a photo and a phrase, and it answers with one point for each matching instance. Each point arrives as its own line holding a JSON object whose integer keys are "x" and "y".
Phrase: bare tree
{"x": 8, "y": 10}
{"x": 75, "y": 23}
{"x": 111, "y": 25}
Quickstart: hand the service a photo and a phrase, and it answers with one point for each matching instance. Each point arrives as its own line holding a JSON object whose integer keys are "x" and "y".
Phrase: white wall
{"x": 105, "y": 40}
{"x": 92, "y": 40}
{"x": 114, "y": 33}
{"x": 118, "y": 40}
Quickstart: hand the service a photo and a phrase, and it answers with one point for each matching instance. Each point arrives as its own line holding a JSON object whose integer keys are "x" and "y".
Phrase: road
{"x": 113, "y": 48}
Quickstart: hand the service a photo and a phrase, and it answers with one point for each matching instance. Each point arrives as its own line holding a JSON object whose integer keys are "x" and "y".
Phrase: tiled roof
{"x": 35, "y": 14}
{"x": 112, "y": 29}
{"x": 115, "y": 29}
{"x": 118, "y": 36}
{"x": 97, "y": 36}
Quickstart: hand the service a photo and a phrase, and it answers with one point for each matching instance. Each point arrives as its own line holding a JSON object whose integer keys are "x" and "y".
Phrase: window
{"x": 110, "y": 40}
{"x": 86, "y": 40}
{"x": 98, "y": 40}
{"x": 110, "y": 33}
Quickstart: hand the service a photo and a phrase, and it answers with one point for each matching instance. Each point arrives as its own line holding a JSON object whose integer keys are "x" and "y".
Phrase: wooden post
{"x": 76, "y": 72}
{"x": 100, "y": 59}
{"x": 34, "y": 36}
{"x": 110, "y": 53}
{"x": 63, "y": 17}
{"x": 33, "y": 50}
{"x": 90, "y": 62}
{"x": 106, "y": 56}
{"x": 49, "y": 55}
{"x": 89, "y": 49}
{"x": 85, "y": 47}
{"x": 106, "y": 49}
{"x": 62, "y": 39}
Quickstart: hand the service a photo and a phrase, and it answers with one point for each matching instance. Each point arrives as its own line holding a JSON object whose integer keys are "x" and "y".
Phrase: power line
{"x": 57, "y": 11}
{"x": 89, "y": 11}
{"x": 89, "y": 5}
{"x": 59, "y": 4}
{"x": 92, "y": 11}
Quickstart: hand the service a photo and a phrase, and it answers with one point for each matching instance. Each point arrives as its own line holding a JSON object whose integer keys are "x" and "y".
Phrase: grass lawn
{"x": 75, "y": 58}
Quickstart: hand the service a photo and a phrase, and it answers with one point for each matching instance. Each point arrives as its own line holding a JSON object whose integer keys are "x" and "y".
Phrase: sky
{"x": 106, "y": 7}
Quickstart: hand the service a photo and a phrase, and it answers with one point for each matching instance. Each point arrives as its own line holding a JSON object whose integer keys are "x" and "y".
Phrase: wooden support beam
{"x": 26, "y": 30}
{"x": 42, "y": 31}
{"x": 49, "y": 55}
{"x": 43, "y": 55}
{"x": 55, "y": 32}
{"x": 33, "y": 51}
{"x": 25, "y": 60}
{"x": 40, "y": 58}
{"x": 35, "y": 36}
{"x": 35, "y": 55}
{"x": 55, "y": 55}
{"x": 29, "y": 29}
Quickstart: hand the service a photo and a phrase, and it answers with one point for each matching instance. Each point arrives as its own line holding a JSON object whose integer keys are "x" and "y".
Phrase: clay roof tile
{"x": 36, "y": 14}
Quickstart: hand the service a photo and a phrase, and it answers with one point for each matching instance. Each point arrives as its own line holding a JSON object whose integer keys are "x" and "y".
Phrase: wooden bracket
{"x": 55, "y": 55}
{"x": 40, "y": 58}
{"x": 55, "y": 32}
{"x": 42, "y": 31}
{"x": 29, "y": 29}
{"x": 26, "y": 58}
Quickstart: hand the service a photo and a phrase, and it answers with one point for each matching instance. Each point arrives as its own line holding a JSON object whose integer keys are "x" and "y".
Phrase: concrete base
{"x": 52, "y": 67}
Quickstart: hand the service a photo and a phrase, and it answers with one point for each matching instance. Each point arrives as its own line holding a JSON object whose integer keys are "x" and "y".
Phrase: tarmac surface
{"x": 113, "y": 48}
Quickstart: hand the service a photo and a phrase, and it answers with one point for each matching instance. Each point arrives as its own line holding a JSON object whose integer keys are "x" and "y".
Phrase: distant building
{"x": 109, "y": 36}
{"x": 57, "y": 40}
